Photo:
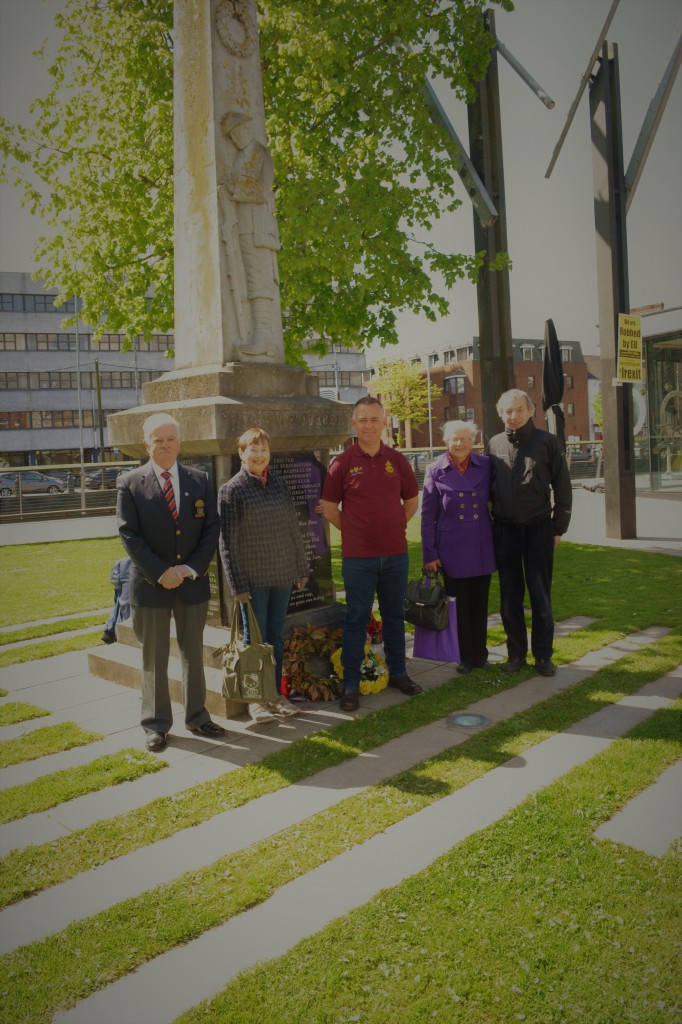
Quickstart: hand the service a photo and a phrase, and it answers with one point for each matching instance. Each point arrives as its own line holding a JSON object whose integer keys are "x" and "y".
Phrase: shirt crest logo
{"x": 354, "y": 470}
{"x": 389, "y": 468}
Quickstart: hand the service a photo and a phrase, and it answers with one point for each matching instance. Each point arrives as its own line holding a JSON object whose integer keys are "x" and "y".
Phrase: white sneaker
{"x": 284, "y": 707}
{"x": 261, "y": 713}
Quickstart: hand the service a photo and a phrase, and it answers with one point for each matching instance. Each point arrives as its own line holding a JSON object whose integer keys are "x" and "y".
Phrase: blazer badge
{"x": 199, "y": 509}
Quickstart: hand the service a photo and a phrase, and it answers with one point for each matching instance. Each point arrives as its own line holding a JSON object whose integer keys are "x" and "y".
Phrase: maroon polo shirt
{"x": 372, "y": 489}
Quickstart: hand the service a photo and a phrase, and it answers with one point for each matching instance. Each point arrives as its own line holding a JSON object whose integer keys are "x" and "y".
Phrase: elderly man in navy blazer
{"x": 168, "y": 522}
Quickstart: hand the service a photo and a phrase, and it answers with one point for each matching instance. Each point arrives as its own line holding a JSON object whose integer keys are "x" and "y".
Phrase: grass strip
{"x": 57, "y": 788}
{"x": 50, "y": 739}
{"x": 47, "y": 649}
{"x": 62, "y": 969}
{"x": 3, "y": 693}
{"x": 14, "y": 712}
{"x": 530, "y": 919}
{"x": 70, "y": 573}
{"x": 25, "y": 872}
{"x": 50, "y": 628}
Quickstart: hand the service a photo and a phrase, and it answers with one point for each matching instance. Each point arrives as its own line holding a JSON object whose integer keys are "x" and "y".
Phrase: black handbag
{"x": 248, "y": 669}
{"x": 426, "y": 602}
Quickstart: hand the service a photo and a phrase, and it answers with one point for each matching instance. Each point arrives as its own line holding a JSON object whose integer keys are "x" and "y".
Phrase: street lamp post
{"x": 80, "y": 406}
{"x": 429, "y": 357}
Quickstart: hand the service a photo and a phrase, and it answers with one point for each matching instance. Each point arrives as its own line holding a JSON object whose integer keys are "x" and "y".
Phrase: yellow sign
{"x": 629, "y": 368}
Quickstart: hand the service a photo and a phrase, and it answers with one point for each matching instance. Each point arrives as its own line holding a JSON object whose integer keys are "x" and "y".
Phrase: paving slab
{"x": 110, "y": 883}
{"x": 653, "y": 819}
{"x": 159, "y": 991}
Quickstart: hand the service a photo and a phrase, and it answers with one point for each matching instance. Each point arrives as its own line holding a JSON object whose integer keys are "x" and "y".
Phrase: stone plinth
{"x": 215, "y": 404}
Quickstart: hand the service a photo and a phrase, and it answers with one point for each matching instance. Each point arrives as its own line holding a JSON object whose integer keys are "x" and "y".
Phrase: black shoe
{"x": 464, "y": 668}
{"x": 405, "y": 685}
{"x": 482, "y": 664}
{"x": 513, "y": 665}
{"x": 207, "y": 729}
{"x": 545, "y": 668}
{"x": 155, "y": 741}
{"x": 350, "y": 700}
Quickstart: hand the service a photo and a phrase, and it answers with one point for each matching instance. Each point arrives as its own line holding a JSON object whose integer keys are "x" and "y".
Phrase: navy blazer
{"x": 456, "y": 523}
{"x": 155, "y": 541}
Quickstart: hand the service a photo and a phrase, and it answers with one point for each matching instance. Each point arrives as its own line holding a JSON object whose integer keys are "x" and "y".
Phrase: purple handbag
{"x": 438, "y": 645}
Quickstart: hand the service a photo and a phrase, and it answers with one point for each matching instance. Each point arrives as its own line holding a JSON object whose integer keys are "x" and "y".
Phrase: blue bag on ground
{"x": 438, "y": 644}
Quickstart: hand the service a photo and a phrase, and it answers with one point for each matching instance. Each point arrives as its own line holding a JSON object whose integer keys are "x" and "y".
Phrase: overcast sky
{"x": 550, "y": 222}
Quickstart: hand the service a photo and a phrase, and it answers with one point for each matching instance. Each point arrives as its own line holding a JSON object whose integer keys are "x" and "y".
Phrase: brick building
{"x": 458, "y": 372}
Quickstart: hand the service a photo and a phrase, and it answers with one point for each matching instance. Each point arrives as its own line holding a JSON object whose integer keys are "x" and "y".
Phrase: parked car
{"x": 32, "y": 482}
{"x": 580, "y": 455}
{"x": 104, "y": 478}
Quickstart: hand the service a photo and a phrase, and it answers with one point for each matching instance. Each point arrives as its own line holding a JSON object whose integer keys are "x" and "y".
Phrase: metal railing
{"x": 30, "y": 493}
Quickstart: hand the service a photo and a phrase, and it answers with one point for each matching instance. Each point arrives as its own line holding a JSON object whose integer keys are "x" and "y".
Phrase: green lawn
{"x": 529, "y": 920}
{"x": 50, "y": 790}
{"x": 45, "y": 580}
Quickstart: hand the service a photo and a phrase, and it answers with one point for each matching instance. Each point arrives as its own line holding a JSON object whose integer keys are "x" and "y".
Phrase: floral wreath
{"x": 326, "y": 643}
{"x": 374, "y": 675}
{"x": 302, "y": 643}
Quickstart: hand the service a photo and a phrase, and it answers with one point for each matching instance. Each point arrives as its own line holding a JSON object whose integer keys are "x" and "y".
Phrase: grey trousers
{"x": 152, "y": 629}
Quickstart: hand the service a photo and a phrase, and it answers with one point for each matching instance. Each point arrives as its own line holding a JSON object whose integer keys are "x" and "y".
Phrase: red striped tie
{"x": 169, "y": 494}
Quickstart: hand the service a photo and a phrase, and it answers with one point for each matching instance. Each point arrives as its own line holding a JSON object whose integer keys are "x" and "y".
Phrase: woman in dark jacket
{"x": 457, "y": 536}
{"x": 261, "y": 550}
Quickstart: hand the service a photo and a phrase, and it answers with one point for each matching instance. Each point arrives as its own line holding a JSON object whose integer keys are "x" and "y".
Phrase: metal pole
{"x": 99, "y": 412}
{"x": 613, "y": 293}
{"x": 428, "y": 398}
{"x": 80, "y": 406}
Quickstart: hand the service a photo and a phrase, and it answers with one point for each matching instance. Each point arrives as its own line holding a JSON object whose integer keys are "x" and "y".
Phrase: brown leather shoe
{"x": 405, "y": 685}
{"x": 350, "y": 700}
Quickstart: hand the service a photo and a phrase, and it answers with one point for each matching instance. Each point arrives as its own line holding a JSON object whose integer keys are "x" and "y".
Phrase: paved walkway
{"x": 158, "y": 991}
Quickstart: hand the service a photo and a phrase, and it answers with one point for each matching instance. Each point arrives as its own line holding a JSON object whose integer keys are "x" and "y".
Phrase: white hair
{"x": 452, "y": 427}
{"x": 506, "y": 399}
{"x": 159, "y": 419}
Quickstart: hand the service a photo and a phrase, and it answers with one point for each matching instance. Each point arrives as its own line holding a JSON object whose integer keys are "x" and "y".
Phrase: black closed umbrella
{"x": 553, "y": 383}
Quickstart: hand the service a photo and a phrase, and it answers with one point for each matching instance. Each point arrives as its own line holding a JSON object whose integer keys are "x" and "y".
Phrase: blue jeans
{"x": 270, "y": 608}
{"x": 363, "y": 578}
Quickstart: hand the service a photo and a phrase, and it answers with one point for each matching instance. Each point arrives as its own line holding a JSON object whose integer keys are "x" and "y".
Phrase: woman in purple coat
{"x": 457, "y": 536}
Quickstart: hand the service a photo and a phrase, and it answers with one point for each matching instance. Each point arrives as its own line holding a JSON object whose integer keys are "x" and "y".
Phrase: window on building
{"x": 39, "y": 303}
{"x": 527, "y": 353}
{"x": 449, "y": 355}
{"x": 530, "y": 381}
{"x": 13, "y": 381}
{"x": 569, "y": 381}
{"x": 461, "y": 412}
{"x": 465, "y": 353}
{"x": 12, "y": 342}
{"x": 566, "y": 352}
{"x": 570, "y": 409}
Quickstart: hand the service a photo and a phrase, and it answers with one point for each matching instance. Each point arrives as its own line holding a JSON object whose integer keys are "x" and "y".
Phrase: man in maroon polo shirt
{"x": 378, "y": 492}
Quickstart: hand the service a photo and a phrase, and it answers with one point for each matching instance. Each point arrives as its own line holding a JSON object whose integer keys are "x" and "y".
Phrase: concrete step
{"x": 122, "y": 663}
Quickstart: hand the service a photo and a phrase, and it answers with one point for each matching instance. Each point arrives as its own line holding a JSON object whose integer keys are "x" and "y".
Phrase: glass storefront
{"x": 663, "y": 429}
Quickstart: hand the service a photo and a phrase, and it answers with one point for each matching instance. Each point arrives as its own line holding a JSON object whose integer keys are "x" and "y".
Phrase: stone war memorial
{"x": 230, "y": 372}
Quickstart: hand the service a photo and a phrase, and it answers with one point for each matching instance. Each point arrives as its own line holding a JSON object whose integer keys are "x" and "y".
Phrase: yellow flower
{"x": 372, "y": 666}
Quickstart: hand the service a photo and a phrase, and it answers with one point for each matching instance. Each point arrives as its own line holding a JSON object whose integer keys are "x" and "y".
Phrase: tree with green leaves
{"x": 361, "y": 171}
{"x": 404, "y": 392}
